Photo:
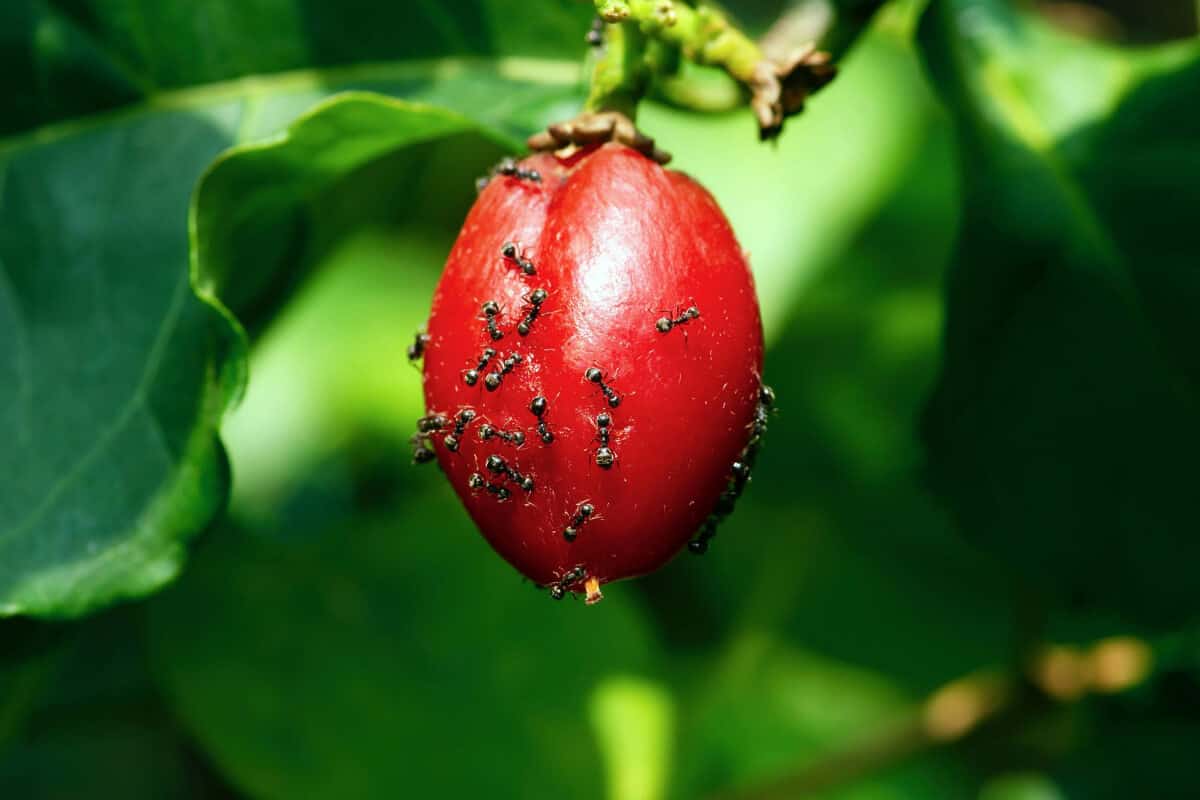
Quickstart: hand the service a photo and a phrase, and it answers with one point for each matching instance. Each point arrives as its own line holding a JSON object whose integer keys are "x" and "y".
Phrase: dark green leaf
{"x": 389, "y": 657}
{"x": 107, "y": 382}
{"x": 86, "y": 55}
{"x": 1064, "y": 428}
{"x": 1140, "y": 744}
{"x": 94, "y": 725}
{"x": 98, "y": 758}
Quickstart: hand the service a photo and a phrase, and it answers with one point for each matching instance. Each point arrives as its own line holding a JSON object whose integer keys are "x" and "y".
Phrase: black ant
{"x": 758, "y": 428}
{"x": 431, "y": 423}
{"x": 491, "y": 309}
{"x": 421, "y": 452}
{"x": 582, "y": 515}
{"x": 471, "y": 376}
{"x": 498, "y": 466}
{"x": 452, "y": 439}
{"x": 538, "y": 407}
{"x": 492, "y": 380}
{"x": 558, "y": 590}
{"x": 741, "y": 476}
{"x": 604, "y": 456}
{"x": 665, "y": 324}
{"x": 724, "y": 506}
{"x": 510, "y": 251}
{"x": 507, "y": 167}
{"x": 416, "y": 350}
{"x": 594, "y": 375}
{"x": 595, "y": 36}
{"x": 487, "y": 432}
{"x": 510, "y": 168}
{"x": 476, "y": 481}
{"x": 740, "y": 472}
{"x": 699, "y": 545}
{"x": 536, "y": 298}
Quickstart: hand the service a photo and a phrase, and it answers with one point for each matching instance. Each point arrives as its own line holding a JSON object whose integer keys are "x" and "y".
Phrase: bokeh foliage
{"x": 1067, "y": 414}
{"x": 342, "y": 631}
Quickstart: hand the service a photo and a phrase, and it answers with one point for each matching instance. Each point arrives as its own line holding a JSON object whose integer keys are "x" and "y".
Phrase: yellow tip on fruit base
{"x": 592, "y": 587}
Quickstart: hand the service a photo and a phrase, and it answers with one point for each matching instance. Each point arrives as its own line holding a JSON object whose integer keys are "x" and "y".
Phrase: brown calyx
{"x": 596, "y": 127}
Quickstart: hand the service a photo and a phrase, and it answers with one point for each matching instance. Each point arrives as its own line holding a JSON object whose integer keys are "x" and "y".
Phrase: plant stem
{"x": 621, "y": 75}
{"x": 704, "y": 35}
{"x": 649, "y": 41}
{"x": 669, "y": 31}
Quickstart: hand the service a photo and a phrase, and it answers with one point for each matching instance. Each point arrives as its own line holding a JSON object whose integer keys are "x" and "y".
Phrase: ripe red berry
{"x": 598, "y": 326}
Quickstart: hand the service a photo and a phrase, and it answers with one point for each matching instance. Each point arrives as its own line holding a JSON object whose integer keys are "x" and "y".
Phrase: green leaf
{"x": 1064, "y": 426}
{"x": 115, "y": 758}
{"x": 1136, "y": 744}
{"x": 27, "y": 660}
{"x": 88, "y": 55}
{"x": 258, "y": 214}
{"x": 107, "y": 382}
{"x": 386, "y": 657}
{"x": 94, "y": 724}
{"x": 113, "y": 375}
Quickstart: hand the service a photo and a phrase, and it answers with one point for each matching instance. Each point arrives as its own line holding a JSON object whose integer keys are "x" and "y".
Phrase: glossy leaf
{"x": 1064, "y": 427}
{"x": 108, "y": 384}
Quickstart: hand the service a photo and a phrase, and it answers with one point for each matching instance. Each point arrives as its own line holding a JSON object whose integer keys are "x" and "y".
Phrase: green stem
{"x": 704, "y": 35}
{"x": 621, "y": 75}
{"x": 648, "y": 41}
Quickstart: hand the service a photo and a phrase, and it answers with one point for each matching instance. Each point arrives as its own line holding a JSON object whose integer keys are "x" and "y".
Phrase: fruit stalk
{"x": 703, "y": 34}
{"x": 646, "y": 38}
{"x": 621, "y": 74}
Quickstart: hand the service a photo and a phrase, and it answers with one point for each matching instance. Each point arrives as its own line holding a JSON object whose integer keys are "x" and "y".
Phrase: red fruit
{"x": 617, "y": 243}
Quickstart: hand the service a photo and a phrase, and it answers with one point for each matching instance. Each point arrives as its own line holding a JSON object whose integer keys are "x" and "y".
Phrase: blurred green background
{"x": 978, "y": 260}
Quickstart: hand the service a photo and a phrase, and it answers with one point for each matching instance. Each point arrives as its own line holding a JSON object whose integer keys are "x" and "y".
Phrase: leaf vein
{"x": 104, "y": 439}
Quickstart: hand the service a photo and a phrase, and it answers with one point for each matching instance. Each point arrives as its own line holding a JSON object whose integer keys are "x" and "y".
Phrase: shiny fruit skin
{"x": 617, "y": 243}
